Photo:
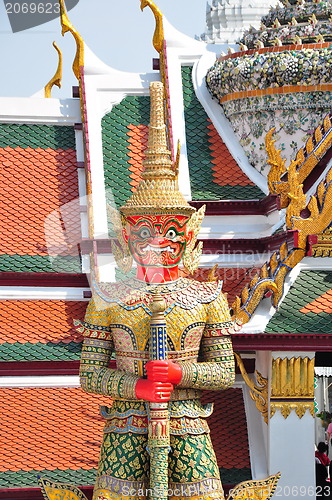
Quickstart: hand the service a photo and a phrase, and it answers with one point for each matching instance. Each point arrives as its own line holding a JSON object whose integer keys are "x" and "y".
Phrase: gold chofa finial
{"x": 158, "y": 191}
{"x": 67, "y": 26}
{"x": 158, "y": 36}
{"x": 56, "y": 80}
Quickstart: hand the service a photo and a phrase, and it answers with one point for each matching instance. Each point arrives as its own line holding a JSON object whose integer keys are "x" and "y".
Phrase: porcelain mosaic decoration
{"x": 287, "y": 87}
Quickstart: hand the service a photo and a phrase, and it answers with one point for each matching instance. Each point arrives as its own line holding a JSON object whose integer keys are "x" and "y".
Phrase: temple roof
{"x": 40, "y": 330}
{"x": 214, "y": 174}
{"x": 61, "y": 435}
{"x": 38, "y": 178}
{"x": 307, "y": 306}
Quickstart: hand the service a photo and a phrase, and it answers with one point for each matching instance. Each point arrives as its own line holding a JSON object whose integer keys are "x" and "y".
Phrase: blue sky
{"x": 116, "y": 30}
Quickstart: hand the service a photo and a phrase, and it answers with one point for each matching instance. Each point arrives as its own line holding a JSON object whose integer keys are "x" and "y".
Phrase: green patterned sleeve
{"x": 95, "y": 374}
{"x": 217, "y": 369}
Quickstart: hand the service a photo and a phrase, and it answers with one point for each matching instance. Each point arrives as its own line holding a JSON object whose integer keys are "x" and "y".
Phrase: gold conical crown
{"x": 158, "y": 191}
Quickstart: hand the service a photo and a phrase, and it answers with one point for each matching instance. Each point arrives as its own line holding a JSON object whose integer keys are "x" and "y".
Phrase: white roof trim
{"x": 41, "y": 381}
{"x": 40, "y": 110}
{"x": 221, "y": 123}
{"x": 323, "y": 371}
{"x": 41, "y": 293}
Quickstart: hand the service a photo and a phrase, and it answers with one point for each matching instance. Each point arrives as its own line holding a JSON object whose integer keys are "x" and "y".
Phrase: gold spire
{"x": 67, "y": 26}
{"x": 56, "y": 80}
{"x": 158, "y": 191}
{"x": 158, "y": 36}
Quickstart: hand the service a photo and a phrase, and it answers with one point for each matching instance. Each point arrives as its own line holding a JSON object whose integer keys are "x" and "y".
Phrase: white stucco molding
{"x": 254, "y": 429}
{"x": 40, "y": 381}
{"x": 42, "y": 293}
{"x": 221, "y": 123}
{"x": 102, "y": 93}
{"x": 238, "y": 226}
{"x": 39, "y": 110}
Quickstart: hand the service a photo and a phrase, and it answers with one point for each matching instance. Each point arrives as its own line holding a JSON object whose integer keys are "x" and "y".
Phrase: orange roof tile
{"x": 137, "y": 144}
{"x": 41, "y": 321}
{"x": 50, "y": 428}
{"x": 61, "y": 428}
{"x": 319, "y": 305}
{"x": 227, "y": 422}
{"x": 226, "y": 171}
{"x": 34, "y": 185}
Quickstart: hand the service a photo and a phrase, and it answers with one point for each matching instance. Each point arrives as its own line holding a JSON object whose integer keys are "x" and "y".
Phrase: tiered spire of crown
{"x": 158, "y": 191}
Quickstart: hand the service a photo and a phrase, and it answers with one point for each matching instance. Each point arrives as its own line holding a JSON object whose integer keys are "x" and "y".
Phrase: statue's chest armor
{"x": 128, "y": 305}
{"x": 131, "y": 329}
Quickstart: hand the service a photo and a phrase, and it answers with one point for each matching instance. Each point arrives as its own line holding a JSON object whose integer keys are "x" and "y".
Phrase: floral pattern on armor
{"x": 193, "y": 470}
{"x": 93, "y": 331}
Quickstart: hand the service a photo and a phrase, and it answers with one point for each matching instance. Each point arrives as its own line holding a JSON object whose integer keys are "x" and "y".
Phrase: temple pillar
{"x": 291, "y": 428}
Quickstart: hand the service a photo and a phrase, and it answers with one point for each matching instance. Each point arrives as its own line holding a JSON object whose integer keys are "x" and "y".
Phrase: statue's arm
{"x": 217, "y": 368}
{"x": 95, "y": 374}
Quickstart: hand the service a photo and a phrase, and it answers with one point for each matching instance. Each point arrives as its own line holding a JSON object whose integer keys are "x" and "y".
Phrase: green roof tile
{"x": 40, "y": 352}
{"x": 37, "y": 136}
{"x": 234, "y": 476}
{"x": 133, "y": 110}
{"x": 40, "y": 264}
{"x": 199, "y": 156}
{"x": 288, "y": 319}
{"x": 29, "y": 479}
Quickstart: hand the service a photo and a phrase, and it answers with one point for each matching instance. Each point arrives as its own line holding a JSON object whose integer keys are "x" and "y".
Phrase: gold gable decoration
{"x": 312, "y": 218}
{"x": 67, "y": 26}
{"x": 56, "y": 79}
{"x": 321, "y": 244}
{"x": 306, "y": 159}
{"x": 158, "y": 36}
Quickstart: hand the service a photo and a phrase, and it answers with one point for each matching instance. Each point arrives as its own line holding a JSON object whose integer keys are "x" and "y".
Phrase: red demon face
{"x": 157, "y": 240}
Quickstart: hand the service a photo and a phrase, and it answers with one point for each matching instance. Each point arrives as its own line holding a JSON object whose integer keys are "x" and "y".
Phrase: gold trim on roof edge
{"x": 306, "y": 218}
{"x": 56, "y": 79}
{"x": 316, "y": 214}
{"x": 306, "y": 159}
{"x": 67, "y": 26}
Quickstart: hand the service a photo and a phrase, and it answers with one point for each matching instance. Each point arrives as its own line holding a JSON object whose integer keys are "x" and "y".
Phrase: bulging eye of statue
{"x": 171, "y": 233}
{"x": 144, "y": 232}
